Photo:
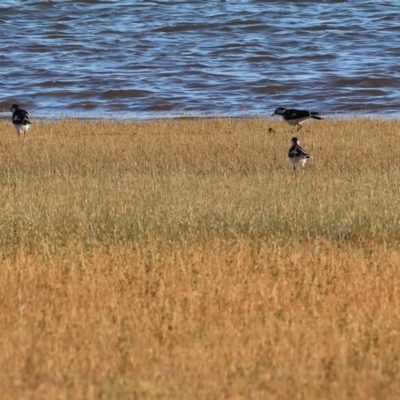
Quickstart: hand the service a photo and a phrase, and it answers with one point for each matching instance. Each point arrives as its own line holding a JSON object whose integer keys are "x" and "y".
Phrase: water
{"x": 144, "y": 59}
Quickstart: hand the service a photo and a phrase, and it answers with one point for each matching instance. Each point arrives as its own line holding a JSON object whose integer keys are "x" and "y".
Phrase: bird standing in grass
{"x": 297, "y": 155}
{"x": 20, "y": 119}
{"x": 296, "y": 117}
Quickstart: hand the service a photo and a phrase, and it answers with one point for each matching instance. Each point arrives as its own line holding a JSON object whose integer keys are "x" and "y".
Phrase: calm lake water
{"x": 144, "y": 59}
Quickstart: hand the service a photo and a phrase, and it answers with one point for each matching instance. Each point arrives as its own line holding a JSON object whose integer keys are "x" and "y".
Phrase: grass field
{"x": 184, "y": 259}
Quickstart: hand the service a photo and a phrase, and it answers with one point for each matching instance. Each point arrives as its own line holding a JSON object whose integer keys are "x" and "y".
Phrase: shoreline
{"x": 199, "y": 118}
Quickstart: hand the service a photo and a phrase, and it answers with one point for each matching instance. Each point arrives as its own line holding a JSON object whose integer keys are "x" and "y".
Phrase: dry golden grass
{"x": 184, "y": 259}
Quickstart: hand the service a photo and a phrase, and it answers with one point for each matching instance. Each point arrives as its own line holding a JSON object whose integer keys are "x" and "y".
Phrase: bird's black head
{"x": 295, "y": 140}
{"x": 279, "y": 111}
{"x": 14, "y": 107}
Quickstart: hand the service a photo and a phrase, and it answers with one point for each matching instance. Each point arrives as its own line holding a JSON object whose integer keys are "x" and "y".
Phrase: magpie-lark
{"x": 20, "y": 119}
{"x": 297, "y": 155}
{"x": 296, "y": 117}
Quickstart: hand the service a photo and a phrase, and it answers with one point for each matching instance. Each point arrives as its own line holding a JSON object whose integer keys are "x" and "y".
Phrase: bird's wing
{"x": 21, "y": 117}
{"x": 302, "y": 152}
{"x": 292, "y": 152}
{"x": 292, "y": 113}
{"x": 297, "y": 151}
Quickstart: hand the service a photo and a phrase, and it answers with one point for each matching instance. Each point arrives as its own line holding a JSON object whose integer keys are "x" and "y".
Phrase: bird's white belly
{"x": 292, "y": 121}
{"x": 299, "y": 160}
{"x": 21, "y": 129}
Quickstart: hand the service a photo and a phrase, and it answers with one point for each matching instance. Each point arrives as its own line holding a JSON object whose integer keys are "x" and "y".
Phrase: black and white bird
{"x": 296, "y": 117}
{"x": 297, "y": 155}
{"x": 20, "y": 119}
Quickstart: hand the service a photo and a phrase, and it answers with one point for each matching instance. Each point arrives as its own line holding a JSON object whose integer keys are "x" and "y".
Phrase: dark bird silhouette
{"x": 297, "y": 155}
{"x": 20, "y": 119}
{"x": 296, "y": 117}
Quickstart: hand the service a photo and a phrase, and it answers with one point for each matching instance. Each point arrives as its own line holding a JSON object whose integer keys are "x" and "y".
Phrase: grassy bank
{"x": 185, "y": 259}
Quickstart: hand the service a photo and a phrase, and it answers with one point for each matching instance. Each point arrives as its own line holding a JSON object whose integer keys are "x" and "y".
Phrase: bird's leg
{"x": 298, "y": 127}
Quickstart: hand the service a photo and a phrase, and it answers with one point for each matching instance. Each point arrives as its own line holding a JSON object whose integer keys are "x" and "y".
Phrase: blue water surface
{"x": 145, "y": 59}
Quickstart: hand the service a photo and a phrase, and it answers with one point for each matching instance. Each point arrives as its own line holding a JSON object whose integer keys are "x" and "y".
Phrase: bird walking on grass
{"x": 297, "y": 155}
{"x": 20, "y": 119}
{"x": 296, "y": 117}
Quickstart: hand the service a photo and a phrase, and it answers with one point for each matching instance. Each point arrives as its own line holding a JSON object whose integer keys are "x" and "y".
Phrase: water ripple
{"x": 167, "y": 58}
